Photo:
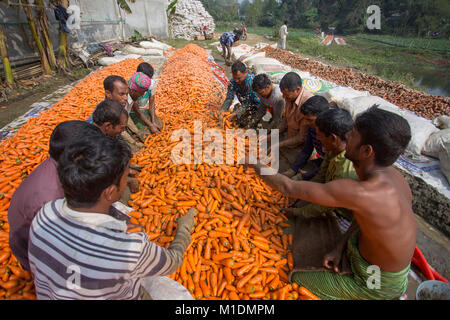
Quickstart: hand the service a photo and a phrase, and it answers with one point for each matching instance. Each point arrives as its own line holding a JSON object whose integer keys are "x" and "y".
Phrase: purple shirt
{"x": 40, "y": 187}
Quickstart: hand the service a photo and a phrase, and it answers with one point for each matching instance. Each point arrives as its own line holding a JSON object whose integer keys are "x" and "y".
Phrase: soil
{"x": 20, "y": 99}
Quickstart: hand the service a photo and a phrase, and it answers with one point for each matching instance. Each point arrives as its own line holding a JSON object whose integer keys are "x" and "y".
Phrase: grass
{"x": 377, "y": 55}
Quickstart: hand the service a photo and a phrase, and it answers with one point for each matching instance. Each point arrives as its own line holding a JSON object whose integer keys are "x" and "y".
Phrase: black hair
{"x": 315, "y": 106}
{"x": 68, "y": 132}
{"x": 146, "y": 68}
{"x": 387, "y": 133}
{"x": 261, "y": 81}
{"x": 88, "y": 167}
{"x": 290, "y": 81}
{"x": 108, "y": 83}
{"x": 285, "y": 22}
{"x": 335, "y": 121}
{"x": 238, "y": 66}
{"x": 108, "y": 111}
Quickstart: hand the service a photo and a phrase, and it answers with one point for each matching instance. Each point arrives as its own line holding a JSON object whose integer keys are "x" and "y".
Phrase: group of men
{"x": 67, "y": 228}
{"x": 67, "y": 225}
{"x": 351, "y": 178}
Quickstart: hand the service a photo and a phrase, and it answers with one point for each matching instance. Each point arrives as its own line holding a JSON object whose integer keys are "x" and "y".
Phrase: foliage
{"x": 124, "y": 5}
{"x": 401, "y": 17}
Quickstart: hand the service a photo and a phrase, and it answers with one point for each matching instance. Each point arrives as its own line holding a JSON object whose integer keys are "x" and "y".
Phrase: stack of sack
{"x": 151, "y": 48}
{"x": 190, "y": 20}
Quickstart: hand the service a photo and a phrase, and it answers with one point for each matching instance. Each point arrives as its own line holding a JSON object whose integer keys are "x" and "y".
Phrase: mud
{"x": 429, "y": 203}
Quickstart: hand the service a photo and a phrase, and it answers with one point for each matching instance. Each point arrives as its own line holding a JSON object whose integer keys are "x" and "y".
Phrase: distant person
{"x": 271, "y": 100}
{"x": 381, "y": 240}
{"x": 43, "y": 185}
{"x": 227, "y": 40}
{"x": 79, "y": 252}
{"x": 241, "y": 86}
{"x": 283, "y": 35}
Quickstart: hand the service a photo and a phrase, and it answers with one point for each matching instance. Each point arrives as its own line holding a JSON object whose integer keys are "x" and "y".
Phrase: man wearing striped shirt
{"x": 78, "y": 251}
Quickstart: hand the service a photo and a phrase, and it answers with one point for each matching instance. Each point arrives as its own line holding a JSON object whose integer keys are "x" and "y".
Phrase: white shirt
{"x": 283, "y": 31}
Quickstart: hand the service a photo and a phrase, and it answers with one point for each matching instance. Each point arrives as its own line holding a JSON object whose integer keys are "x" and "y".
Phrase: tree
{"x": 37, "y": 40}
{"x": 6, "y": 65}
{"x": 44, "y": 30}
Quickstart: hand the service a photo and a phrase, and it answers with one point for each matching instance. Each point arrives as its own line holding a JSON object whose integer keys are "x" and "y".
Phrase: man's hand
{"x": 332, "y": 259}
{"x": 186, "y": 222}
{"x": 153, "y": 128}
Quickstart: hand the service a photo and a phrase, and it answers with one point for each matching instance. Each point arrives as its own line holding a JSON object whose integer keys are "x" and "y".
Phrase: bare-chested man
{"x": 381, "y": 243}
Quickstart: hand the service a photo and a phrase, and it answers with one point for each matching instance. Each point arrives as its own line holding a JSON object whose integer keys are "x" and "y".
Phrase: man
{"x": 110, "y": 117}
{"x": 78, "y": 251}
{"x": 382, "y": 238}
{"x": 43, "y": 185}
{"x": 310, "y": 110}
{"x": 283, "y": 35}
{"x": 146, "y": 104}
{"x": 295, "y": 96}
{"x": 241, "y": 86}
{"x": 271, "y": 100}
{"x": 227, "y": 40}
{"x": 332, "y": 127}
{"x": 116, "y": 88}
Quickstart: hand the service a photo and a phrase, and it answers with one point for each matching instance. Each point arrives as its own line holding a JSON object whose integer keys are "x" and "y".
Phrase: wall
{"x": 101, "y": 20}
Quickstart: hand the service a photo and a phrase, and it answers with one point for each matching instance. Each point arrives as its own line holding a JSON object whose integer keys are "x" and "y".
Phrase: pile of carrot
{"x": 27, "y": 148}
{"x": 238, "y": 248}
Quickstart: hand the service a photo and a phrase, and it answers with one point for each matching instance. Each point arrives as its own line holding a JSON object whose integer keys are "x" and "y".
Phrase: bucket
{"x": 433, "y": 290}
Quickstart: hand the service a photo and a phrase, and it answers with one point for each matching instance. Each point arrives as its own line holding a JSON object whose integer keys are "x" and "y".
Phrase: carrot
{"x": 305, "y": 292}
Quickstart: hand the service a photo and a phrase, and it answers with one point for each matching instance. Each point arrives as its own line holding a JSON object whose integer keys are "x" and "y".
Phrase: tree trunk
{"x": 6, "y": 65}
{"x": 63, "y": 61}
{"x": 44, "y": 61}
{"x": 43, "y": 23}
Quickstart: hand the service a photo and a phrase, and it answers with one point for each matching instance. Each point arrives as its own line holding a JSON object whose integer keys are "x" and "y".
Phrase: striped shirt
{"x": 79, "y": 255}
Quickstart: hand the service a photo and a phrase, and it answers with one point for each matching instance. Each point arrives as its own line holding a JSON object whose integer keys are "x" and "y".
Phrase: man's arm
{"x": 229, "y": 99}
{"x": 141, "y": 116}
{"x": 278, "y": 109}
{"x": 344, "y": 193}
{"x": 169, "y": 259}
{"x": 332, "y": 259}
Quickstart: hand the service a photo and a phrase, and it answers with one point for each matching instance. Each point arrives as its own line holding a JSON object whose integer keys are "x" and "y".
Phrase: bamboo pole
{"x": 43, "y": 22}
{"x": 45, "y": 64}
{"x": 63, "y": 59}
{"x": 6, "y": 65}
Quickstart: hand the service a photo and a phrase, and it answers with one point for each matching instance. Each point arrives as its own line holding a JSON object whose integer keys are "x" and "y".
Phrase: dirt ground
{"x": 20, "y": 99}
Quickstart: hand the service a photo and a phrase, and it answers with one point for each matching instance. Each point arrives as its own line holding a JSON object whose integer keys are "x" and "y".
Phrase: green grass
{"x": 377, "y": 55}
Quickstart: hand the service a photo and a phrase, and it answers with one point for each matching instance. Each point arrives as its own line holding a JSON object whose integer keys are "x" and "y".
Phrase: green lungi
{"x": 331, "y": 286}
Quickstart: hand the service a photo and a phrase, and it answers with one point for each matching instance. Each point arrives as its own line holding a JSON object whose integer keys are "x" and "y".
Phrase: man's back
{"x": 386, "y": 220}
{"x": 41, "y": 186}
{"x": 76, "y": 255}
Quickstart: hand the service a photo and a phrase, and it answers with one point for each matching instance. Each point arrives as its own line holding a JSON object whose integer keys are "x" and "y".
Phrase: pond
{"x": 435, "y": 82}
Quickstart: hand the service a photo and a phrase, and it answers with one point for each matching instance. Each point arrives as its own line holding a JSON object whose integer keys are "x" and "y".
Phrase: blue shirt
{"x": 246, "y": 95}
{"x": 311, "y": 143}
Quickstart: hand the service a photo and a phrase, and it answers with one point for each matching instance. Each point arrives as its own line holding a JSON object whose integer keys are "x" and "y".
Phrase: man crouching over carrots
{"x": 381, "y": 241}
{"x": 77, "y": 251}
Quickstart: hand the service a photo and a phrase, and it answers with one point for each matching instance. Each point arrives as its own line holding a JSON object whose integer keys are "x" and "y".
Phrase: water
{"x": 435, "y": 83}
